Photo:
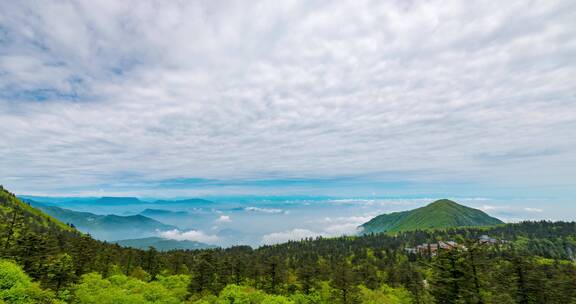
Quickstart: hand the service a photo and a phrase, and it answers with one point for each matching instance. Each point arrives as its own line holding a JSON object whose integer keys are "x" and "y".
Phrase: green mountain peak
{"x": 443, "y": 202}
{"x": 443, "y": 213}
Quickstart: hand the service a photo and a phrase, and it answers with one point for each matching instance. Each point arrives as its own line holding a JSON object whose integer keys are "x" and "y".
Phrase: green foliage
{"x": 60, "y": 271}
{"x": 439, "y": 214}
{"x": 177, "y": 284}
{"x": 453, "y": 279}
{"x": 344, "y": 284}
{"x": 123, "y": 289}
{"x": 385, "y": 295}
{"x": 468, "y": 276}
{"x": 244, "y": 294}
{"x": 17, "y": 288}
{"x": 234, "y": 294}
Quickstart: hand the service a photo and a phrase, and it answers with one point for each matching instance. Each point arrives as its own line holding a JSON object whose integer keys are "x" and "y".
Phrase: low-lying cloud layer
{"x": 331, "y": 227}
{"x": 224, "y": 219}
{"x": 265, "y": 210}
{"x": 190, "y": 235}
{"x": 129, "y": 96}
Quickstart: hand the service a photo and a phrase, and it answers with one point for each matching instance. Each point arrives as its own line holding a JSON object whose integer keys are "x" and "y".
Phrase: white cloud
{"x": 290, "y": 235}
{"x": 130, "y": 93}
{"x": 342, "y": 229}
{"x": 339, "y": 226}
{"x": 265, "y": 210}
{"x": 533, "y": 209}
{"x": 224, "y": 219}
{"x": 190, "y": 235}
{"x": 488, "y": 208}
{"x": 329, "y": 227}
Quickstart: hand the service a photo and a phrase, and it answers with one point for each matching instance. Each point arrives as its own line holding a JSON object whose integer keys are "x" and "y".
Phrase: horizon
{"x": 508, "y": 209}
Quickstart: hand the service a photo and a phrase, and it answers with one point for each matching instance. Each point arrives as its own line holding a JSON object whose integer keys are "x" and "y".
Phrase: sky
{"x": 320, "y": 98}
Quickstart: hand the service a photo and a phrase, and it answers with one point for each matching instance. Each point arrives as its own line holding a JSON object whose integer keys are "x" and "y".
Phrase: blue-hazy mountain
{"x": 191, "y": 201}
{"x": 107, "y": 201}
{"x": 112, "y": 201}
{"x": 162, "y": 212}
{"x": 167, "y": 216}
{"x": 106, "y": 227}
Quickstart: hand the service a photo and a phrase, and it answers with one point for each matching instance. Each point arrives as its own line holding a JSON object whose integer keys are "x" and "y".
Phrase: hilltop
{"x": 442, "y": 213}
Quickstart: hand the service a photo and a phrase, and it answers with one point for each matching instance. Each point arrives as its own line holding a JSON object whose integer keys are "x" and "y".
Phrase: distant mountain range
{"x": 161, "y": 212}
{"x": 439, "y": 214}
{"x": 162, "y": 244}
{"x": 113, "y": 201}
{"x": 167, "y": 216}
{"x": 191, "y": 201}
{"x": 105, "y": 227}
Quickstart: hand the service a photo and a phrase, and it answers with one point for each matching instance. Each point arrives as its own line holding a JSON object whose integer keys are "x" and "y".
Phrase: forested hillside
{"x": 442, "y": 213}
{"x": 46, "y": 261}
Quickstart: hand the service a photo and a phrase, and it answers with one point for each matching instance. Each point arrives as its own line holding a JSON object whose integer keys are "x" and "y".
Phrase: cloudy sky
{"x": 343, "y": 98}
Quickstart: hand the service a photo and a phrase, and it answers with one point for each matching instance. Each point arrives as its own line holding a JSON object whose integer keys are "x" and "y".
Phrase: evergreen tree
{"x": 450, "y": 281}
{"x": 344, "y": 284}
{"x": 15, "y": 222}
{"x": 60, "y": 271}
{"x": 203, "y": 273}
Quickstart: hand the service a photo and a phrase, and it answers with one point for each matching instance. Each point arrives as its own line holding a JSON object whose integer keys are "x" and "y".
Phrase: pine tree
{"x": 203, "y": 273}
{"x": 15, "y": 222}
{"x": 274, "y": 273}
{"x": 151, "y": 263}
{"x": 306, "y": 276}
{"x": 60, "y": 271}
{"x": 344, "y": 284}
{"x": 450, "y": 282}
{"x": 476, "y": 262}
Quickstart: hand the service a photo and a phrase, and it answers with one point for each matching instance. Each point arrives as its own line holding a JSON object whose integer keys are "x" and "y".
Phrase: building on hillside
{"x": 432, "y": 248}
{"x": 484, "y": 239}
{"x": 411, "y": 250}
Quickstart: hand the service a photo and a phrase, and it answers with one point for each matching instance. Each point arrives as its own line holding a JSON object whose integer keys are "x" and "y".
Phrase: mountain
{"x": 439, "y": 214}
{"x": 177, "y": 218}
{"x": 161, "y": 212}
{"x": 106, "y": 227}
{"x": 162, "y": 244}
{"x": 111, "y": 201}
{"x": 55, "y": 199}
{"x": 191, "y": 201}
{"x": 106, "y": 201}
{"x": 118, "y": 201}
{"x": 83, "y": 202}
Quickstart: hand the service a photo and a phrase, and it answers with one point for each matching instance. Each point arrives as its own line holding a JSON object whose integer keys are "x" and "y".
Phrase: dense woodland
{"x": 45, "y": 261}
